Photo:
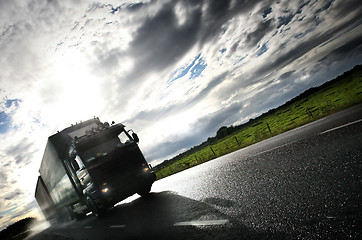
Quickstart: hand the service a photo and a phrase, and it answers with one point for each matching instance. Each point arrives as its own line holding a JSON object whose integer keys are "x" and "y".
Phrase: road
{"x": 303, "y": 184}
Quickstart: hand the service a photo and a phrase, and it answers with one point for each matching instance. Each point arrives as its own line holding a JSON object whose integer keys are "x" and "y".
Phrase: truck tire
{"x": 78, "y": 216}
{"x": 75, "y": 216}
{"x": 97, "y": 210}
{"x": 145, "y": 192}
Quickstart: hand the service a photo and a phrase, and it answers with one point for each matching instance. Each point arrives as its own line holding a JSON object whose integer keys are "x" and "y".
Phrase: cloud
{"x": 286, "y": 74}
{"x": 3, "y": 179}
{"x": 202, "y": 127}
{"x": 13, "y": 195}
{"x": 350, "y": 48}
{"x": 263, "y": 28}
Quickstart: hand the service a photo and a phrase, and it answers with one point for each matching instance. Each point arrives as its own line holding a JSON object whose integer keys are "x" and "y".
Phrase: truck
{"x": 89, "y": 167}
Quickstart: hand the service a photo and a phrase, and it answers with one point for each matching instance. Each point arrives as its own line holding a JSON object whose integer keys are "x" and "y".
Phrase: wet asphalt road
{"x": 304, "y": 184}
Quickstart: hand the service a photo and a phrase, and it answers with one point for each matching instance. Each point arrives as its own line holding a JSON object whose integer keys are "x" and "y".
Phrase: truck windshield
{"x": 103, "y": 145}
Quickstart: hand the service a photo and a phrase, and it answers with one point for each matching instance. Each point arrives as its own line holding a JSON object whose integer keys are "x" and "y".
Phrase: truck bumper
{"x": 118, "y": 192}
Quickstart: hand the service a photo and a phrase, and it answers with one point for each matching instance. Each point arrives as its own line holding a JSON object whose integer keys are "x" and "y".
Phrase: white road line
{"x": 88, "y": 227}
{"x": 202, "y": 223}
{"x": 117, "y": 226}
{"x": 342, "y": 126}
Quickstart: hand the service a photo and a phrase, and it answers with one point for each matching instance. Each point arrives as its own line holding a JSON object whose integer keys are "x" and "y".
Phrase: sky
{"x": 173, "y": 71}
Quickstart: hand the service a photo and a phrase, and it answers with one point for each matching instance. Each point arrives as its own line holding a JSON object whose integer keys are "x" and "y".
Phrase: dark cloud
{"x": 218, "y": 13}
{"x": 353, "y": 47}
{"x": 266, "y": 12}
{"x": 160, "y": 40}
{"x": 233, "y": 48}
{"x": 8, "y": 31}
{"x": 263, "y": 28}
{"x": 135, "y": 6}
{"x": 325, "y": 7}
{"x": 285, "y": 20}
{"x": 23, "y": 146}
{"x": 304, "y": 47}
{"x": 22, "y": 152}
{"x": 3, "y": 178}
{"x": 345, "y": 8}
{"x": 15, "y": 194}
{"x": 109, "y": 60}
{"x": 286, "y": 75}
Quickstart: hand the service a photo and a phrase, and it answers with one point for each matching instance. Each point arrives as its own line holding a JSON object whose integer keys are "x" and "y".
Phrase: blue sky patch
{"x": 197, "y": 66}
{"x": 5, "y": 119}
{"x": 10, "y": 102}
{"x": 262, "y": 50}
{"x": 241, "y": 59}
{"x": 285, "y": 20}
{"x": 266, "y": 12}
{"x": 4, "y": 122}
{"x": 10, "y": 209}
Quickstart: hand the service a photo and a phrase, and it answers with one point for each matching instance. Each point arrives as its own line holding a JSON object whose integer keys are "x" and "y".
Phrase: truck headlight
{"x": 145, "y": 167}
{"x": 101, "y": 154}
{"x": 105, "y": 188}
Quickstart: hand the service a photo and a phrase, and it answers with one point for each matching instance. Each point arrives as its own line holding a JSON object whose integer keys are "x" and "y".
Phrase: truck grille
{"x": 120, "y": 170}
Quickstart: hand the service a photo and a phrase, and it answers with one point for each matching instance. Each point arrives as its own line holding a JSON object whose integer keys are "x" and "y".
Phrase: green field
{"x": 333, "y": 96}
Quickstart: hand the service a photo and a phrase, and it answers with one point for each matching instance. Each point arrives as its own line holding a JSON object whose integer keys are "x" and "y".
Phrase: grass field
{"x": 336, "y": 95}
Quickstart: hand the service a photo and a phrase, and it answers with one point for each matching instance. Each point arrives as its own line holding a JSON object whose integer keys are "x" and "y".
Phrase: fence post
{"x": 309, "y": 112}
{"x": 237, "y": 140}
{"x": 212, "y": 151}
{"x": 268, "y": 128}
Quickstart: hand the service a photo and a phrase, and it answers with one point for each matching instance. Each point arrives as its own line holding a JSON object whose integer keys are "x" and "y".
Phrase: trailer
{"x": 44, "y": 200}
{"x": 90, "y": 166}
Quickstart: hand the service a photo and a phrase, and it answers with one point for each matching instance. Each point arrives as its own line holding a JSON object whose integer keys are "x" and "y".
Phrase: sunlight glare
{"x": 80, "y": 96}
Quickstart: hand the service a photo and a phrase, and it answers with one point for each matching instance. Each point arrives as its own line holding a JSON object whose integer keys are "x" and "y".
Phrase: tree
{"x": 17, "y": 228}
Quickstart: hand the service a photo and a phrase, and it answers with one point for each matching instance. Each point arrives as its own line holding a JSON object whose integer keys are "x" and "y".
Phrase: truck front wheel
{"x": 98, "y": 211}
{"x": 144, "y": 192}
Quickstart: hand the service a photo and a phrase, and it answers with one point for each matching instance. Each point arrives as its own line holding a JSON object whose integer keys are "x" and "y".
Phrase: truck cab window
{"x": 123, "y": 137}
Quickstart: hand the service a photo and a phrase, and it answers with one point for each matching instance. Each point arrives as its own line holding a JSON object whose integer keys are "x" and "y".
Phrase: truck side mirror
{"x": 75, "y": 165}
{"x": 135, "y": 137}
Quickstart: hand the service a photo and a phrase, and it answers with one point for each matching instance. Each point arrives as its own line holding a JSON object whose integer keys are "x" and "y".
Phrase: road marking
{"x": 117, "y": 226}
{"x": 202, "y": 223}
{"x": 345, "y": 125}
{"x": 88, "y": 227}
